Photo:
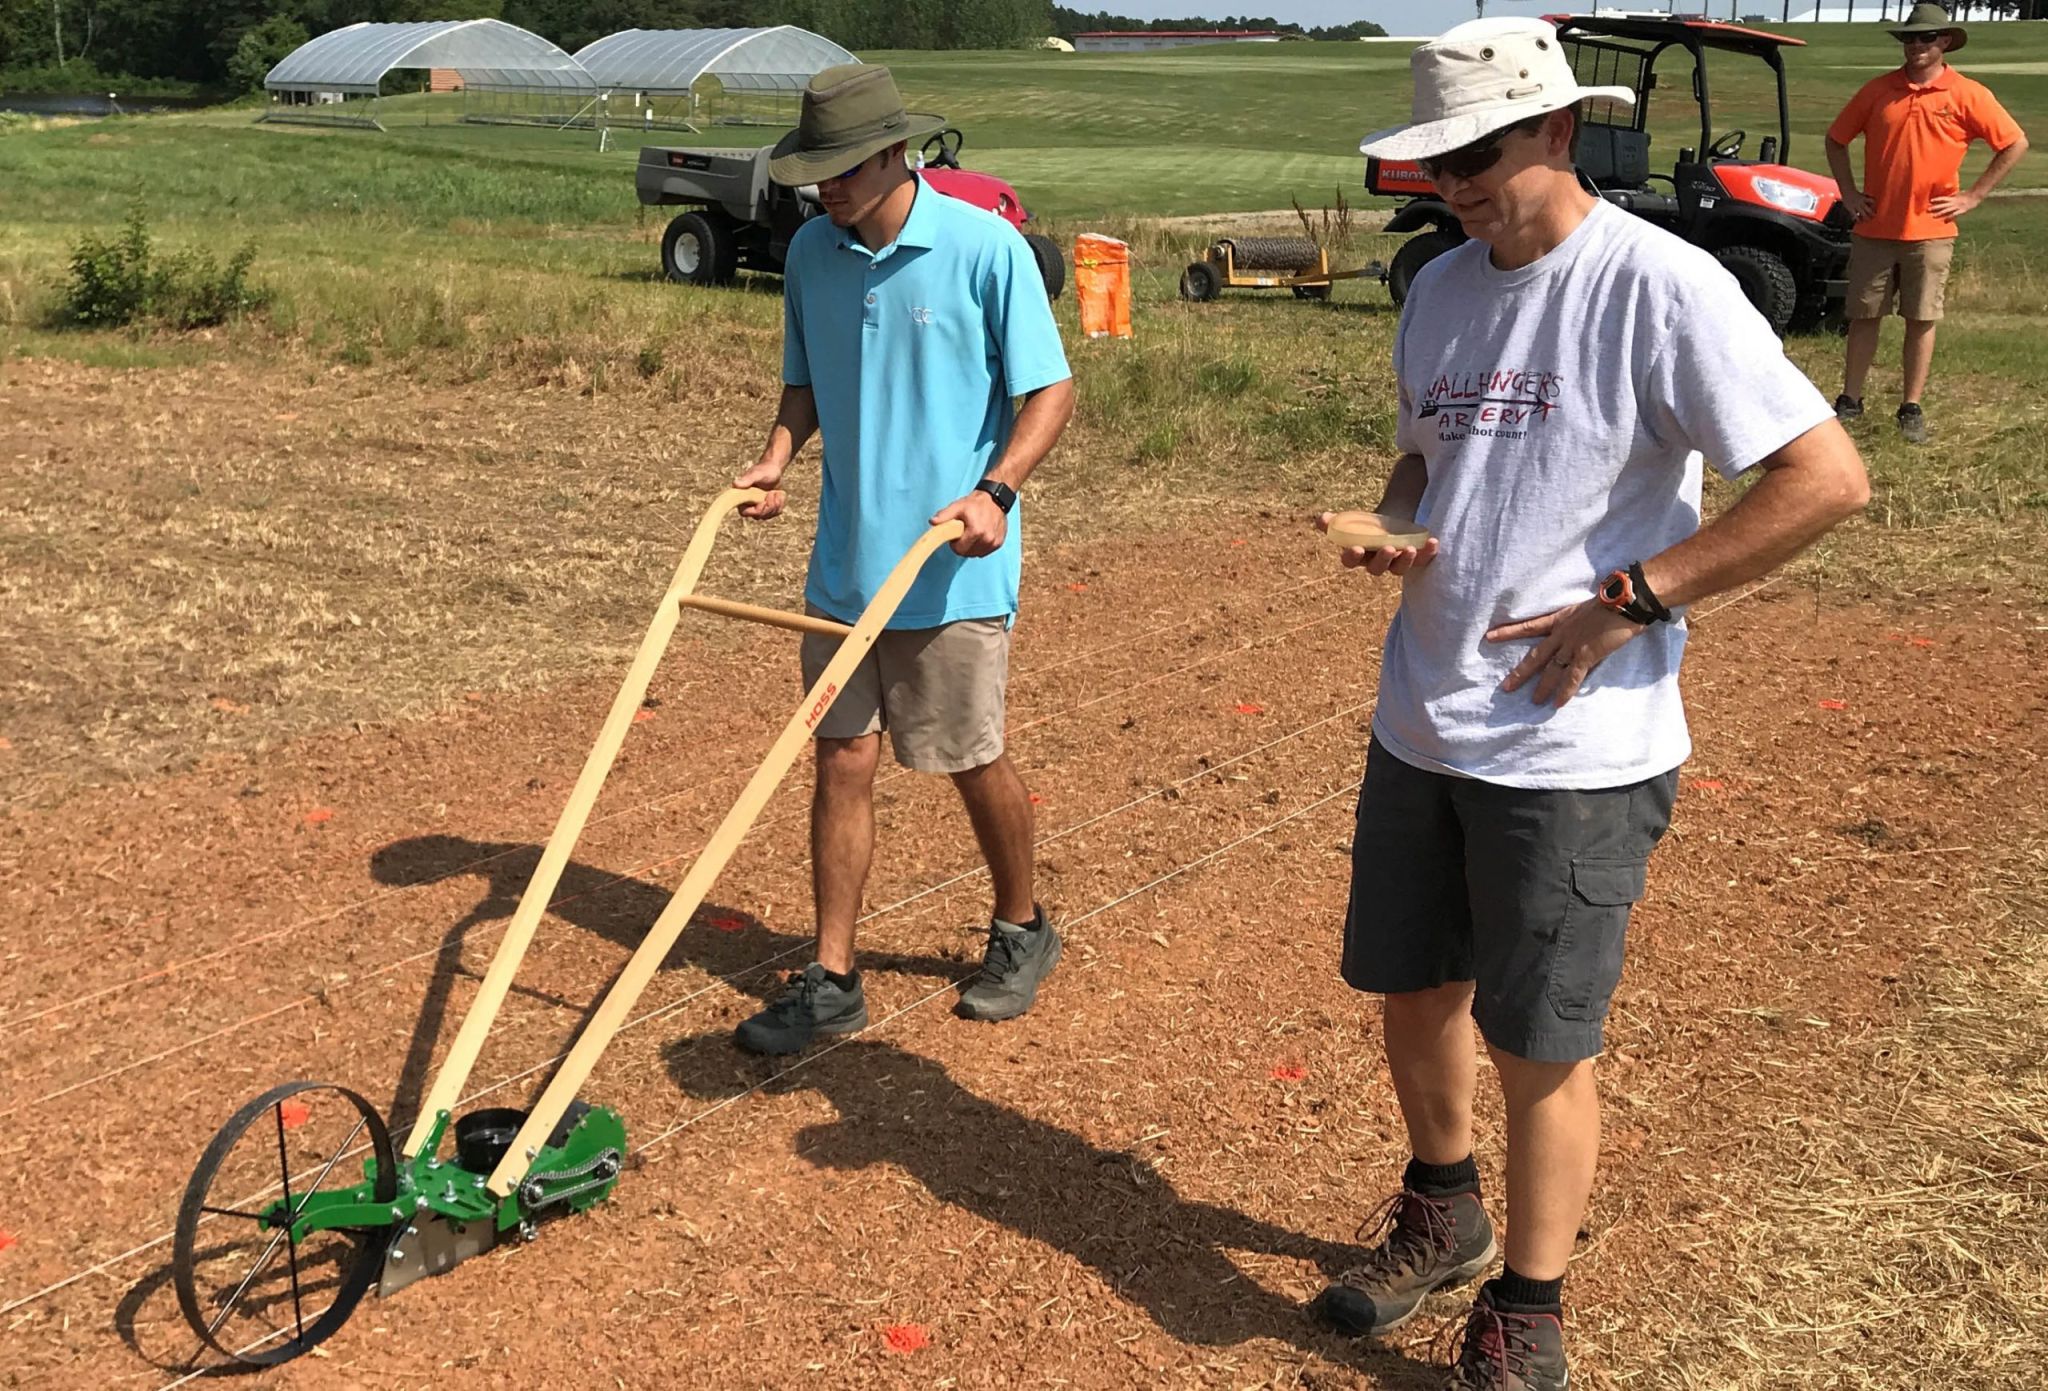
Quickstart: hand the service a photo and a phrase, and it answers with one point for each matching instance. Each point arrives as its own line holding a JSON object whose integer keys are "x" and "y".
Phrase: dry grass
{"x": 1895, "y": 1240}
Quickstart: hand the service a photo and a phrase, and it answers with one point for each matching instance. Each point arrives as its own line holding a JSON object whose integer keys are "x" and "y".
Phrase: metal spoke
{"x": 284, "y": 1167}
{"x": 293, "y": 1211}
{"x": 231, "y": 1212}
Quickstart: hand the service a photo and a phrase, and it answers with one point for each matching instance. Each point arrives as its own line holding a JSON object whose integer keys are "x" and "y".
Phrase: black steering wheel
{"x": 1729, "y": 145}
{"x": 948, "y": 152}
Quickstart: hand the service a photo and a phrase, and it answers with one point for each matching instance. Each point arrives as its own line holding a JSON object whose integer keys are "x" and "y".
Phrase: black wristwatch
{"x": 1003, "y": 493}
{"x": 1628, "y": 594}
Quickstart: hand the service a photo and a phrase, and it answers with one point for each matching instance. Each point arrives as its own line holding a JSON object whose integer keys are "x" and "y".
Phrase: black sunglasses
{"x": 1908, "y": 40}
{"x": 1470, "y": 161}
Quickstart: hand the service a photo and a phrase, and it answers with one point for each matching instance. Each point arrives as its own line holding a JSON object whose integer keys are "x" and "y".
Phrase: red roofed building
{"x": 1135, "y": 40}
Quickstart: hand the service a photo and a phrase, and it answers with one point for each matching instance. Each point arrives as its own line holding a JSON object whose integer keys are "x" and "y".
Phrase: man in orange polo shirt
{"x": 1916, "y": 122}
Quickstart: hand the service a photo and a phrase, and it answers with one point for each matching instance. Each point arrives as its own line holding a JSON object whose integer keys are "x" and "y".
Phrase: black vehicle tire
{"x": 1810, "y": 311}
{"x": 1311, "y": 291}
{"x": 1766, "y": 280}
{"x": 701, "y": 248}
{"x": 1052, "y": 266}
{"x": 1415, "y": 253}
{"x": 1200, "y": 282}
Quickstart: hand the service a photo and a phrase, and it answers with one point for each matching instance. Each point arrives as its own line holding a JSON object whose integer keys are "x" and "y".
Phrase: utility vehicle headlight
{"x": 1790, "y": 197}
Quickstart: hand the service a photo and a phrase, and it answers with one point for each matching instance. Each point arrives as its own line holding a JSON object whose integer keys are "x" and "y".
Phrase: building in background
{"x": 1135, "y": 40}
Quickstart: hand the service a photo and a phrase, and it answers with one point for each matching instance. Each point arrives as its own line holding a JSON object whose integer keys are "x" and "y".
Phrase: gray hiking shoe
{"x": 808, "y": 1006}
{"x": 1502, "y": 1351}
{"x": 1913, "y": 423}
{"x": 1848, "y": 408}
{"x": 1015, "y": 964}
{"x": 1421, "y": 1244}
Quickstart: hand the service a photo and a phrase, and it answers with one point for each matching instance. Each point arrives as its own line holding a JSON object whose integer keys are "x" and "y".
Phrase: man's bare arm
{"x": 1038, "y": 428}
{"x": 1854, "y": 199}
{"x": 1808, "y": 486}
{"x": 796, "y": 420}
{"x": 1956, "y": 204}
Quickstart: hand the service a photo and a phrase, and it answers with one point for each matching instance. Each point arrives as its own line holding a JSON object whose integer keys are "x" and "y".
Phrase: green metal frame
{"x": 566, "y": 1175}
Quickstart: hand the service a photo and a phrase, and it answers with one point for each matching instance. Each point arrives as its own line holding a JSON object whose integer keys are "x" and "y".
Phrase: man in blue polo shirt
{"x": 911, "y": 322}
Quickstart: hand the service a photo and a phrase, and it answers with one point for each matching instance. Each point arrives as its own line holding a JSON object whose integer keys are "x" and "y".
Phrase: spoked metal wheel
{"x": 252, "y": 1287}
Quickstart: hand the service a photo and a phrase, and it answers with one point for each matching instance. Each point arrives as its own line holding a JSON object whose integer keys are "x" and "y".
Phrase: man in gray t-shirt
{"x": 1561, "y": 375}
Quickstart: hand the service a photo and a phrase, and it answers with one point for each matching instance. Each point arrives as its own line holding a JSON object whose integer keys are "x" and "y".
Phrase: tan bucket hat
{"x": 1932, "y": 19}
{"x": 1479, "y": 77}
{"x": 849, "y": 113}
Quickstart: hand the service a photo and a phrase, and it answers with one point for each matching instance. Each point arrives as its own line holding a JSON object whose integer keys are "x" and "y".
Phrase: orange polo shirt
{"x": 1914, "y": 136}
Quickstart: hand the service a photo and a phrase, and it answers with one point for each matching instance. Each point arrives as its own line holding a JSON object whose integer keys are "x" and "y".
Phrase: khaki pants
{"x": 1911, "y": 274}
{"x": 939, "y": 692}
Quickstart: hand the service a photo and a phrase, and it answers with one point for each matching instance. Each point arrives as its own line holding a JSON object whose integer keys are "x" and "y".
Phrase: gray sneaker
{"x": 1015, "y": 964}
{"x": 1913, "y": 424}
{"x": 1422, "y": 1244}
{"x": 1848, "y": 408}
{"x": 808, "y": 1006}
{"x": 1503, "y": 1351}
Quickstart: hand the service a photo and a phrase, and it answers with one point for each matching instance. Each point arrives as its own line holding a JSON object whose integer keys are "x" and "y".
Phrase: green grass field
{"x": 454, "y": 252}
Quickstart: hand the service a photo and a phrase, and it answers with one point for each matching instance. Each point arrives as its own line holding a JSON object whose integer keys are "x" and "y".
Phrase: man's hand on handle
{"x": 984, "y": 525}
{"x": 766, "y": 476}
{"x": 1386, "y": 560}
{"x": 1572, "y": 641}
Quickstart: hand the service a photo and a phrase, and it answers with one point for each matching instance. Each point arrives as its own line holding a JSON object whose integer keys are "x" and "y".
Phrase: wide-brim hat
{"x": 1931, "y": 19}
{"x": 1479, "y": 77}
{"x": 849, "y": 113}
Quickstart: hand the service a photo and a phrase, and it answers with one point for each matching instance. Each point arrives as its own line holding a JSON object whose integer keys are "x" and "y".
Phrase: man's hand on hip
{"x": 984, "y": 523}
{"x": 1954, "y": 205}
{"x": 1571, "y": 642}
{"x": 766, "y": 476}
{"x": 1384, "y": 560}
{"x": 1860, "y": 204}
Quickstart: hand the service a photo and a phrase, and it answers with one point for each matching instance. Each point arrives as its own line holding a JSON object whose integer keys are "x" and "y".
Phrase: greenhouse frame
{"x": 683, "y": 78}
{"x": 507, "y": 74}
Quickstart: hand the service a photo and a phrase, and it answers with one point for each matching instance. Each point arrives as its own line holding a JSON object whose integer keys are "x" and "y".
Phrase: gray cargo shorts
{"x": 1524, "y": 892}
{"x": 939, "y": 692}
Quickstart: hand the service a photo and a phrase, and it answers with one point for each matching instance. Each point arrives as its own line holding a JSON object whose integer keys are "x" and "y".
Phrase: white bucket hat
{"x": 1478, "y": 78}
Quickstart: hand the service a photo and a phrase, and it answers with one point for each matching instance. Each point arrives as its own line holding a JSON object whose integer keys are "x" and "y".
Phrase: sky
{"x": 1435, "y": 16}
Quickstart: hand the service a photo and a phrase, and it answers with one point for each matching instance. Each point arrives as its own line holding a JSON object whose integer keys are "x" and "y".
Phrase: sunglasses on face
{"x": 1470, "y": 161}
{"x": 1912, "y": 40}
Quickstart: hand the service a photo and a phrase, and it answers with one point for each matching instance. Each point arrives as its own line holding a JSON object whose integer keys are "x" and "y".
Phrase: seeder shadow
{"x": 1105, "y": 1208}
{"x": 722, "y": 941}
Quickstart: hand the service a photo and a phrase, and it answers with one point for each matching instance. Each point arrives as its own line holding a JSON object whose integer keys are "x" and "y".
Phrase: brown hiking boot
{"x": 1420, "y": 1244}
{"x": 1502, "y": 1351}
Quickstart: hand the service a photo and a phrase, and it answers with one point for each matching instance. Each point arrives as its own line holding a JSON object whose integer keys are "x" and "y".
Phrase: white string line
{"x": 256, "y": 939}
{"x": 670, "y": 1008}
{"x": 923, "y": 1000}
{"x": 894, "y": 1015}
{"x": 356, "y": 978}
{"x": 269, "y": 1337}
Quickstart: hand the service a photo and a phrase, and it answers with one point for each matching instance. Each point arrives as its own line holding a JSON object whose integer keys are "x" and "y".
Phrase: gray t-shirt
{"x": 1562, "y": 410}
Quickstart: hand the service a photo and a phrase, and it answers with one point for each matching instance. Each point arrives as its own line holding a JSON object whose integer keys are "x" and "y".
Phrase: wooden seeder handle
{"x": 469, "y": 1040}
{"x": 661, "y": 937}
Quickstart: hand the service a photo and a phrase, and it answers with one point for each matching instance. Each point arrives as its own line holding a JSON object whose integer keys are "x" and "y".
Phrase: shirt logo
{"x": 920, "y": 315}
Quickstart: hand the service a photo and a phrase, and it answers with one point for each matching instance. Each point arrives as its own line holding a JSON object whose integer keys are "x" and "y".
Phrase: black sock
{"x": 1518, "y": 1294}
{"x": 845, "y": 982}
{"x": 1441, "y": 1180}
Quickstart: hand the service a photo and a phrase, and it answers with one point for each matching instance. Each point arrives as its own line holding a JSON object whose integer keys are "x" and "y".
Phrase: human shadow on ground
{"x": 1105, "y": 1208}
{"x": 722, "y": 941}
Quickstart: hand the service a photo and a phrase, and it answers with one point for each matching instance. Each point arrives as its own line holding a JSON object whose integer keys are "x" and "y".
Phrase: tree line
{"x": 228, "y": 45}
{"x": 1067, "y": 23}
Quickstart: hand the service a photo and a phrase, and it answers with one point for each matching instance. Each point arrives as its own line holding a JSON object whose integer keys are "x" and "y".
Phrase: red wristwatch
{"x": 1627, "y": 594}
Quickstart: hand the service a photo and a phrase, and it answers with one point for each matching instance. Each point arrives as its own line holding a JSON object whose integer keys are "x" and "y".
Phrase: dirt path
{"x": 1139, "y": 1183}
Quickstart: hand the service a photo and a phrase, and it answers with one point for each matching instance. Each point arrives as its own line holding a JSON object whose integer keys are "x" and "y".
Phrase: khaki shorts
{"x": 1914, "y": 273}
{"x": 937, "y": 691}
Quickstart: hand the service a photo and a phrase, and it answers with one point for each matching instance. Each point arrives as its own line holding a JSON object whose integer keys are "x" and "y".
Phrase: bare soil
{"x": 1826, "y": 1130}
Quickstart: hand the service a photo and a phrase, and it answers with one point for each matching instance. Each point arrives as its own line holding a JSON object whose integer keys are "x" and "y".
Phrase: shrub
{"x": 123, "y": 281}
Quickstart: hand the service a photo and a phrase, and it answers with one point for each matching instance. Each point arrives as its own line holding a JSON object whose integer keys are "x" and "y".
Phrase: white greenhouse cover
{"x": 782, "y": 58}
{"x": 489, "y": 53}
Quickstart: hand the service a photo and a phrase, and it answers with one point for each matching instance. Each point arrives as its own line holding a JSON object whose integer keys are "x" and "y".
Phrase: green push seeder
{"x": 301, "y": 1203}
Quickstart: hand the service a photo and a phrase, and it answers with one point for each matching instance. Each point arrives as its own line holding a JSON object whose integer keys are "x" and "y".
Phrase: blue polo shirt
{"x": 915, "y": 353}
